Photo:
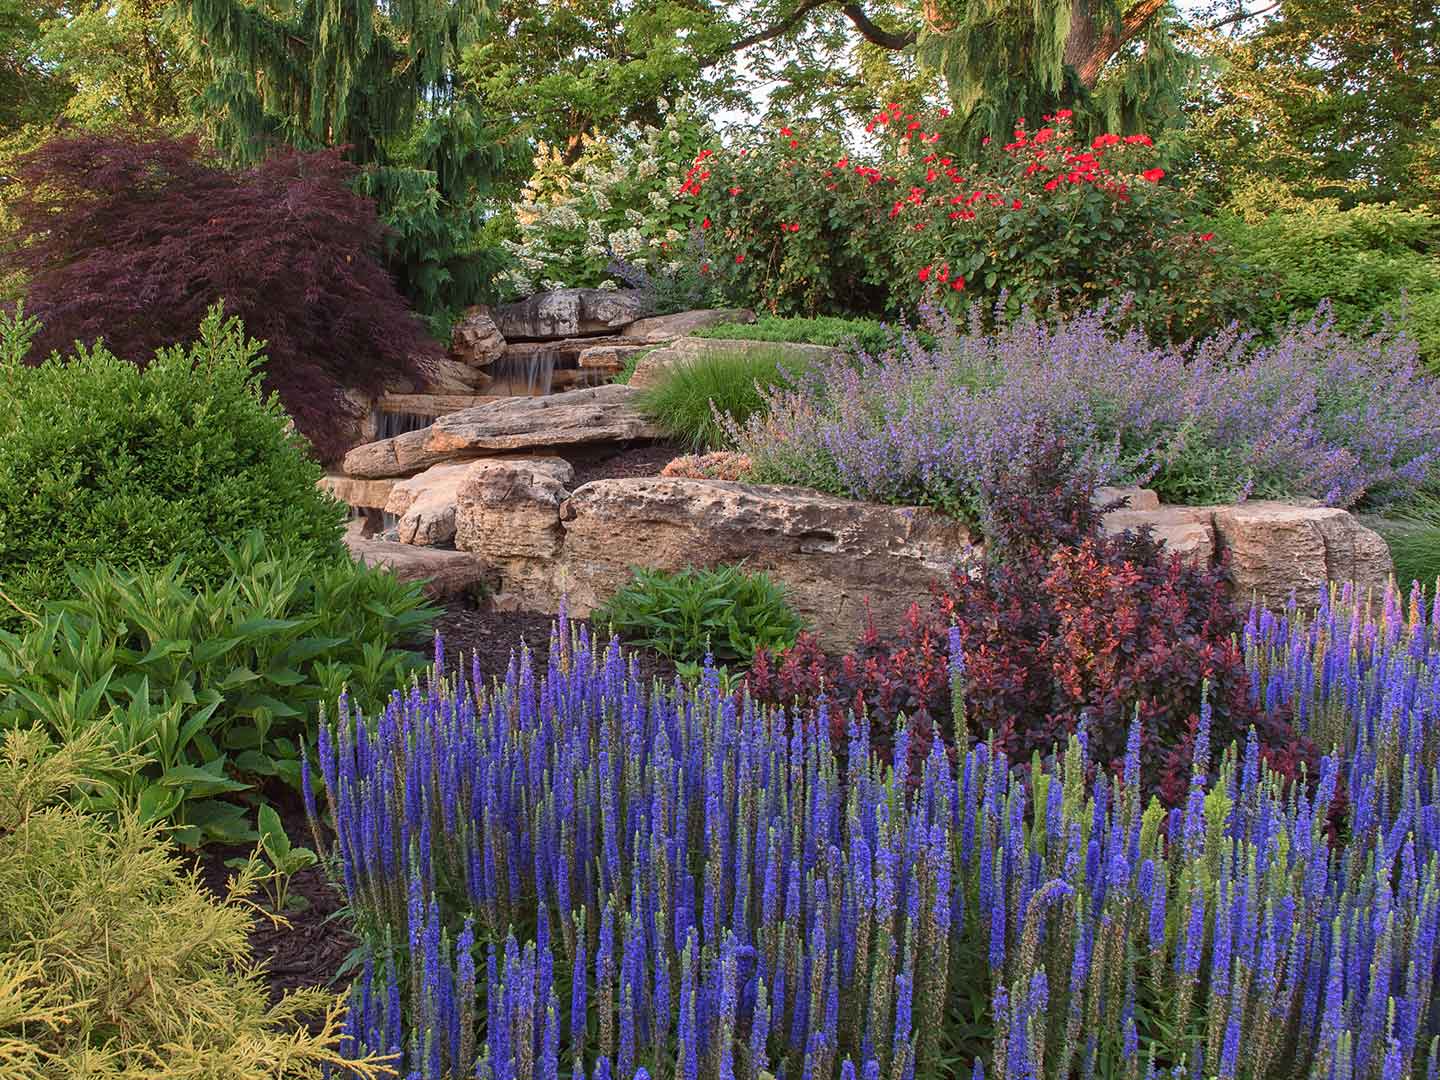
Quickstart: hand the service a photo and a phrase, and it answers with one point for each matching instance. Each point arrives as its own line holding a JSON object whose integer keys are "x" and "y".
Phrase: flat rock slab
{"x": 430, "y": 404}
{"x": 367, "y": 494}
{"x": 661, "y": 328}
{"x": 654, "y": 368}
{"x": 831, "y": 555}
{"x": 563, "y": 313}
{"x": 445, "y": 573}
{"x": 424, "y": 505}
{"x": 601, "y": 414}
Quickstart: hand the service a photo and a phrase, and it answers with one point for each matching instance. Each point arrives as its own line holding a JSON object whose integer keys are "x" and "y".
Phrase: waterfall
{"x": 390, "y": 424}
{"x": 526, "y": 375}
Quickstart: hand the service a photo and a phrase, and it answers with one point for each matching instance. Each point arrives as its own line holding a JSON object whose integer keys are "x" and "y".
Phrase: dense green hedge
{"x": 104, "y": 460}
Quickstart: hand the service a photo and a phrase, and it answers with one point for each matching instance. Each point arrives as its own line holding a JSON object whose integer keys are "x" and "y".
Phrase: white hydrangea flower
{"x": 673, "y": 266}
{"x": 647, "y": 168}
{"x": 594, "y": 251}
{"x": 609, "y": 285}
{"x": 602, "y": 201}
{"x": 659, "y": 201}
{"x": 634, "y": 217}
{"x": 550, "y": 284}
{"x": 671, "y": 236}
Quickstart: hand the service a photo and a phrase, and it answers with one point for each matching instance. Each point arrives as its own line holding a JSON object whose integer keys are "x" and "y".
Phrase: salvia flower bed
{"x": 576, "y": 874}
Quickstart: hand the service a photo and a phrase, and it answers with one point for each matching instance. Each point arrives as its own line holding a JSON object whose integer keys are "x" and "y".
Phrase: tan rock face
{"x": 445, "y": 573}
{"x": 370, "y": 494}
{"x": 475, "y": 340}
{"x": 509, "y": 507}
{"x": 566, "y": 313}
{"x": 1135, "y": 498}
{"x": 831, "y": 554}
{"x": 600, "y": 414}
{"x": 451, "y": 376}
{"x": 1276, "y": 549}
{"x": 608, "y": 358}
{"x": 425, "y": 505}
{"x": 659, "y": 328}
{"x": 1188, "y": 530}
{"x": 654, "y": 367}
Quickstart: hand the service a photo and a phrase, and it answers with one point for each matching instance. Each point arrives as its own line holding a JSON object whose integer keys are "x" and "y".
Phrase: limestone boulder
{"x": 509, "y": 507}
{"x": 1277, "y": 549}
{"x": 564, "y": 313}
{"x": 475, "y": 340}
{"x": 662, "y": 328}
{"x": 1188, "y": 530}
{"x": 607, "y": 358}
{"x": 367, "y": 494}
{"x": 445, "y": 573}
{"x": 832, "y": 555}
{"x": 424, "y": 505}
{"x": 1134, "y": 498}
{"x": 657, "y": 365}
{"x": 601, "y": 414}
{"x": 451, "y": 376}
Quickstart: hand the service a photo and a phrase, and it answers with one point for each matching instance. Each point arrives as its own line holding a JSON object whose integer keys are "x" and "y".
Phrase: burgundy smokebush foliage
{"x": 130, "y": 240}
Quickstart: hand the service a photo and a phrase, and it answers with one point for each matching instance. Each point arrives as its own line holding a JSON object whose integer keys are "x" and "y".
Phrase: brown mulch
{"x": 470, "y": 631}
{"x": 309, "y": 950}
{"x": 644, "y": 460}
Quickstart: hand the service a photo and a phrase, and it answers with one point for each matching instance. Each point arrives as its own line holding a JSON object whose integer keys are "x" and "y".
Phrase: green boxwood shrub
{"x": 683, "y": 614}
{"x": 104, "y": 460}
{"x": 869, "y": 335}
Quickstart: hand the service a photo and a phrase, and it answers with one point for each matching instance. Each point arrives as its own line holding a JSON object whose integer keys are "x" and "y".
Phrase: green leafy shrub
{"x": 694, "y": 401}
{"x": 102, "y": 460}
{"x": 115, "y": 964}
{"x": 684, "y": 614}
{"x": 1365, "y": 262}
{"x": 219, "y": 686}
{"x": 869, "y": 335}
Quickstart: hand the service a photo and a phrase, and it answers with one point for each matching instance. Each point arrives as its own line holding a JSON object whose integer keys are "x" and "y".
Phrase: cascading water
{"x": 529, "y": 374}
{"x": 390, "y": 424}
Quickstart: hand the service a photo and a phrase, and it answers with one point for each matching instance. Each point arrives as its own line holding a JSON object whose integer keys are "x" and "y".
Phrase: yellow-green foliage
{"x": 115, "y": 964}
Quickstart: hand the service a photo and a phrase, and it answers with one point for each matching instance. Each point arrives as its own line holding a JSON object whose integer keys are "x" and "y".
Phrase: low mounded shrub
{"x": 219, "y": 687}
{"x": 115, "y": 963}
{"x": 724, "y": 612}
{"x": 1348, "y": 421}
{"x": 700, "y": 401}
{"x": 103, "y": 460}
{"x": 129, "y": 242}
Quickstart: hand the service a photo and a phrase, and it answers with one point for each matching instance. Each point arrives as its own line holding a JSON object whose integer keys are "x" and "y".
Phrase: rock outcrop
{"x": 662, "y": 328}
{"x": 445, "y": 573}
{"x": 564, "y": 313}
{"x": 424, "y": 505}
{"x": 506, "y": 425}
{"x": 475, "y": 340}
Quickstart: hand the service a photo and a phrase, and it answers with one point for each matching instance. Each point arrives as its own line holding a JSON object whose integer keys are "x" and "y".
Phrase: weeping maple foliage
{"x": 130, "y": 240}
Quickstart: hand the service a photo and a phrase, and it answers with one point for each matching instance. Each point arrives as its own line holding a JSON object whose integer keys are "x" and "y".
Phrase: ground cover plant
{"x": 1350, "y": 421}
{"x": 645, "y": 881}
{"x": 698, "y": 402}
{"x": 217, "y": 686}
{"x": 868, "y": 334}
{"x": 130, "y": 242}
{"x": 103, "y": 460}
{"x": 724, "y": 613}
{"x": 115, "y": 964}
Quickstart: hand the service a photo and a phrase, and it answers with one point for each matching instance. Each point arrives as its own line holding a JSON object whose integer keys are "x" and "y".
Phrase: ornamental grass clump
{"x": 570, "y": 873}
{"x": 1349, "y": 421}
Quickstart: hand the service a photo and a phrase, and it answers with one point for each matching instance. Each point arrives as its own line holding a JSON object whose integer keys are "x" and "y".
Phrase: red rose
{"x": 924, "y": 274}
{"x": 1064, "y": 114}
{"x": 1207, "y": 237}
{"x": 958, "y": 283}
{"x": 1016, "y": 205}
{"x": 705, "y": 224}
{"x": 735, "y": 191}
{"x": 1154, "y": 175}
{"x": 786, "y": 131}
{"x": 739, "y": 259}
